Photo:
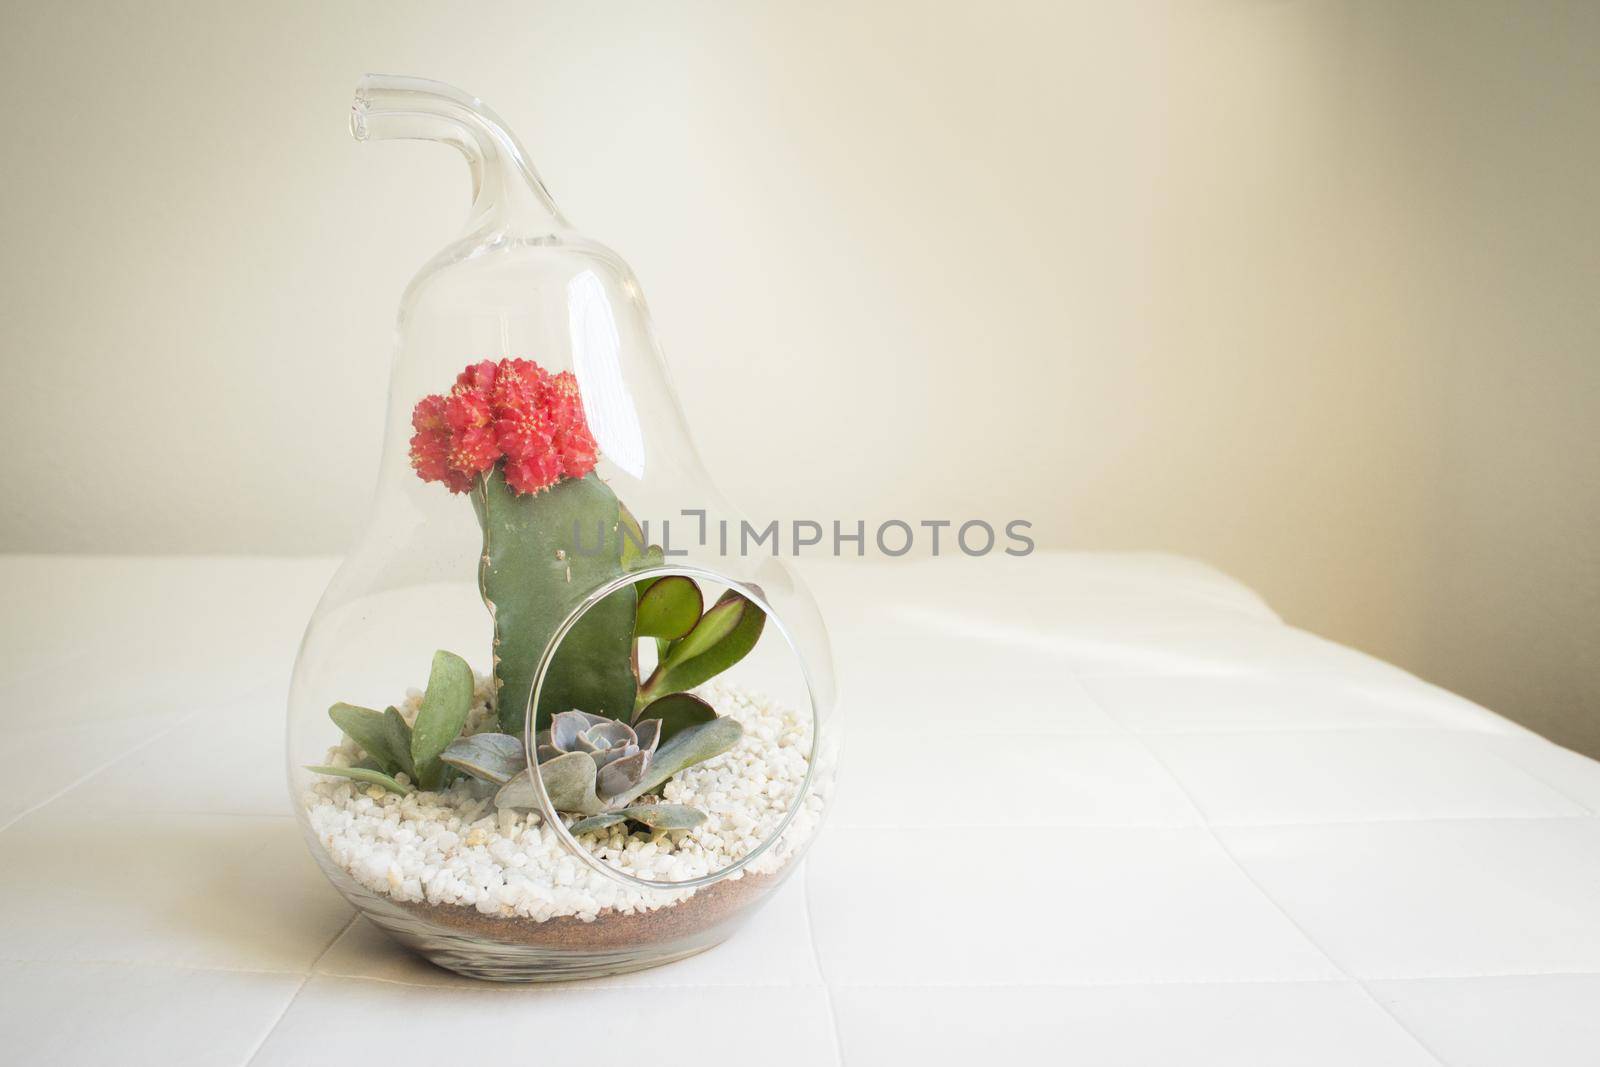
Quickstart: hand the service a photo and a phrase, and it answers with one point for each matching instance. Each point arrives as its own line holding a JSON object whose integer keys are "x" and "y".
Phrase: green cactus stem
{"x": 532, "y": 574}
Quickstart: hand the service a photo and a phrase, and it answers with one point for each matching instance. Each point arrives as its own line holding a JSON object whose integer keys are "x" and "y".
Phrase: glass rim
{"x": 547, "y": 811}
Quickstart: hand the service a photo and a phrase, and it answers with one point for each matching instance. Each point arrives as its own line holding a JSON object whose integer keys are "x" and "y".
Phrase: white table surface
{"x": 1213, "y": 839}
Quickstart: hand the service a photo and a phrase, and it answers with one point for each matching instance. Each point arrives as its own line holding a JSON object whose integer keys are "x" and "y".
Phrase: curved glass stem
{"x": 505, "y": 188}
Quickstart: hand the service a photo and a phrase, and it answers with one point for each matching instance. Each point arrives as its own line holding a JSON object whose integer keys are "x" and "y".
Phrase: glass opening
{"x": 712, "y": 767}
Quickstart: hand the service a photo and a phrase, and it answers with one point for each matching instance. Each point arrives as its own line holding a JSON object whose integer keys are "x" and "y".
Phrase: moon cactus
{"x": 514, "y": 438}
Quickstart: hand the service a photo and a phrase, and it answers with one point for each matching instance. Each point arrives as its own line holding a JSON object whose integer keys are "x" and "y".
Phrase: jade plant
{"x": 513, "y": 438}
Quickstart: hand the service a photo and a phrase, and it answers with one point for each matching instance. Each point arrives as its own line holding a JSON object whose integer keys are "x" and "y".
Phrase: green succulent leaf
{"x": 676, "y": 711}
{"x": 569, "y": 779}
{"x": 712, "y": 627}
{"x": 366, "y": 728}
{"x": 596, "y": 822}
{"x": 660, "y": 818}
{"x": 397, "y": 732}
{"x": 534, "y": 571}
{"x": 691, "y": 745}
{"x": 363, "y": 774}
{"x": 494, "y": 758}
{"x": 444, "y": 709}
{"x": 723, "y": 637}
{"x": 669, "y": 608}
{"x": 636, "y": 555}
{"x": 663, "y": 817}
{"x": 518, "y": 793}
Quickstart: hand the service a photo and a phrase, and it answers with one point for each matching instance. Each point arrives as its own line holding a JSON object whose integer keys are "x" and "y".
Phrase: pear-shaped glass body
{"x": 549, "y": 721}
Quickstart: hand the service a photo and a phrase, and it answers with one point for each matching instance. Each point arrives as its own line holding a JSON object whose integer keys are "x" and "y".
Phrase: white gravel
{"x": 453, "y": 847}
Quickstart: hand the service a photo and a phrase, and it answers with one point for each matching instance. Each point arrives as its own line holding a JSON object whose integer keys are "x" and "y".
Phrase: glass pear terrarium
{"x": 549, "y": 719}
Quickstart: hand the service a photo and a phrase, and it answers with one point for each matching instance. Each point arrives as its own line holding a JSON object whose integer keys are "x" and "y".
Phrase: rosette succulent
{"x": 597, "y": 767}
{"x": 620, "y": 752}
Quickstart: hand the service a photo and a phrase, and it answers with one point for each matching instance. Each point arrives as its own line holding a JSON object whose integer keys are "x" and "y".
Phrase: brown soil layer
{"x": 708, "y": 907}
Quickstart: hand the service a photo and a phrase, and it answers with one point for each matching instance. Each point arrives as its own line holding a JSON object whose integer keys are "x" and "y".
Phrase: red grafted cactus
{"x": 512, "y": 411}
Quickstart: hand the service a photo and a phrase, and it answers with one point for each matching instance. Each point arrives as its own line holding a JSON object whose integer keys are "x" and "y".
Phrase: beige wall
{"x": 1307, "y": 290}
{"x": 1494, "y": 120}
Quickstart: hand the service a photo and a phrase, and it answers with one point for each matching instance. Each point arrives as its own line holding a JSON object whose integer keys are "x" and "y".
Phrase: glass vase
{"x": 553, "y": 718}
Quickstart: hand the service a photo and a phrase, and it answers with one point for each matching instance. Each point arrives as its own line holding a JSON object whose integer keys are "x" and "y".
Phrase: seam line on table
{"x": 1119, "y": 983}
{"x": 1271, "y": 900}
{"x": 1088, "y": 672}
{"x": 582, "y": 987}
{"x": 1201, "y": 823}
{"x": 233, "y": 697}
{"x": 816, "y": 959}
{"x": 138, "y": 815}
{"x": 305, "y": 979}
{"x": 118, "y": 758}
{"x": 1359, "y": 981}
{"x": 195, "y": 968}
{"x": 1118, "y": 729}
{"x": 1541, "y": 779}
